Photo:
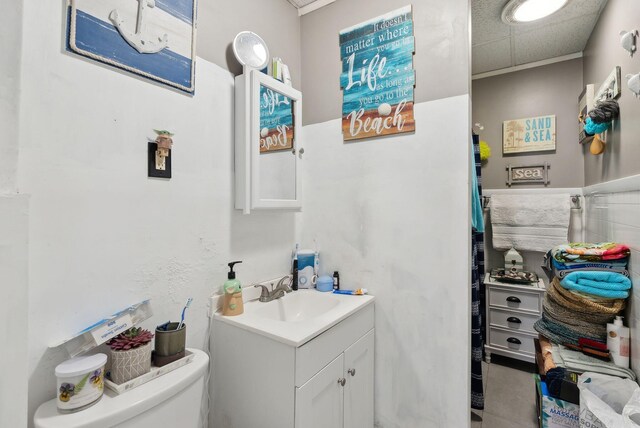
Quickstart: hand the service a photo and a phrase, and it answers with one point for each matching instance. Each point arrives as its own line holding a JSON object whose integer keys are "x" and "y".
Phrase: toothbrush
{"x": 358, "y": 292}
{"x": 189, "y": 300}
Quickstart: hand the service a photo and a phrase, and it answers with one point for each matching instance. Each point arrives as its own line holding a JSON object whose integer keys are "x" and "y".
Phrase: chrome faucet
{"x": 283, "y": 287}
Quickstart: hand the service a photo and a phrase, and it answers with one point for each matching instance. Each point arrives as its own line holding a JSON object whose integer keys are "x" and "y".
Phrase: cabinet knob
{"x": 342, "y": 381}
{"x": 352, "y": 372}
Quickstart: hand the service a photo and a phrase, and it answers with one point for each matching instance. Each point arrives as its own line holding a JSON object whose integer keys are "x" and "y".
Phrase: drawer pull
{"x": 513, "y": 299}
{"x": 514, "y": 319}
{"x": 514, "y": 341}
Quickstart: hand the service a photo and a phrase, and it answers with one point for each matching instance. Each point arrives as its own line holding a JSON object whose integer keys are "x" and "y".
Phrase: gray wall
{"x": 603, "y": 52}
{"x": 441, "y": 60}
{"x": 276, "y": 21}
{"x": 550, "y": 89}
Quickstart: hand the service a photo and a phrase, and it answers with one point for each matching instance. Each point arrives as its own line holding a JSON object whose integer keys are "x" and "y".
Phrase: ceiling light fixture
{"x": 524, "y": 11}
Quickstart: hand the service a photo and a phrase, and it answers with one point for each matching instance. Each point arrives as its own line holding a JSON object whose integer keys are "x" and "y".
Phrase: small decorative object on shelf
{"x": 130, "y": 354}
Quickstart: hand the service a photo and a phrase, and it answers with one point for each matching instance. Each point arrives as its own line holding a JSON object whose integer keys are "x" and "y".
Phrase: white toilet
{"x": 171, "y": 400}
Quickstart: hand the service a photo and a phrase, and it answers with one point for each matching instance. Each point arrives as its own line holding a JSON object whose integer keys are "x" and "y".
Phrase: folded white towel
{"x": 530, "y": 222}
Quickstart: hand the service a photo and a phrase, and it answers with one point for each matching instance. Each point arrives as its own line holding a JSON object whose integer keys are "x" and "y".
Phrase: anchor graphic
{"x": 140, "y": 41}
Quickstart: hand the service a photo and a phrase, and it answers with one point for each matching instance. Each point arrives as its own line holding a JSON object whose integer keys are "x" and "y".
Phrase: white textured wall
{"x": 10, "y": 46}
{"x": 392, "y": 215}
{"x": 13, "y": 229}
{"x": 613, "y": 215}
{"x": 101, "y": 234}
{"x": 13, "y": 309}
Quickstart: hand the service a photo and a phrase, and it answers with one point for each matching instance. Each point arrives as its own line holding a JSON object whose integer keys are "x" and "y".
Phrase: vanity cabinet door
{"x": 320, "y": 401}
{"x": 358, "y": 390}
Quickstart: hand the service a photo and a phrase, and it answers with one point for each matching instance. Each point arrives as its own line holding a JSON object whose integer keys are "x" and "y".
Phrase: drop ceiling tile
{"x": 556, "y": 40}
{"x": 491, "y": 56}
{"x": 486, "y": 22}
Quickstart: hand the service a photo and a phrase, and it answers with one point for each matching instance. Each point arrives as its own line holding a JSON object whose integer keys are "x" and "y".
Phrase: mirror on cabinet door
{"x": 268, "y": 151}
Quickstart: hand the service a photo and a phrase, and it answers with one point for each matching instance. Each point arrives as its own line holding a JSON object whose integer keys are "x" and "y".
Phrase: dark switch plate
{"x": 152, "y": 171}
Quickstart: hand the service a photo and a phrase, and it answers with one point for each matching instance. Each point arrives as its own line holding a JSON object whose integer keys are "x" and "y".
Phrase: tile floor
{"x": 509, "y": 395}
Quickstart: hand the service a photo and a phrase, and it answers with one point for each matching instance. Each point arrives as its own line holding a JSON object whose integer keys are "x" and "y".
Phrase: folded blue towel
{"x": 609, "y": 264}
{"x": 611, "y": 285}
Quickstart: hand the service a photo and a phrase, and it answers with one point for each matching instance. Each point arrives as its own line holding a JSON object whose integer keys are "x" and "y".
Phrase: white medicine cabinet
{"x": 268, "y": 122}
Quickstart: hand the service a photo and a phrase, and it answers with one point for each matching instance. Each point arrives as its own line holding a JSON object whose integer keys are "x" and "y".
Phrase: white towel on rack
{"x": 530, "y": 222}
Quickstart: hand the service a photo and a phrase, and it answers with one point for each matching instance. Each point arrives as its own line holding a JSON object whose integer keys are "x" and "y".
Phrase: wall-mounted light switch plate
{"x": 158, "y": 166}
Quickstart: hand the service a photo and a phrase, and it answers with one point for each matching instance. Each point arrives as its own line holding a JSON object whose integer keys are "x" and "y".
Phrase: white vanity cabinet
{"x": 326, "y": 382}
{"x": 341, "y": 394}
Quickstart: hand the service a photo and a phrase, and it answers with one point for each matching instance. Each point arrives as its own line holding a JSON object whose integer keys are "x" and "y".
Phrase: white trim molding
{"x": 626, "y": 184}
{"x": 527, "y": 66}
{"x": 313, "y": 6}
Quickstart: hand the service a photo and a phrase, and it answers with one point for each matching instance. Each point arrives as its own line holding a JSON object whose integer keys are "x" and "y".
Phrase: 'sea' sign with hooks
{"x": 528, "y": 174}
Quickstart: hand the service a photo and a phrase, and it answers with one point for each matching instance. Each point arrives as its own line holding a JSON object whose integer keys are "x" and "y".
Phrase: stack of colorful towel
{"x": 587, "y": 292}
{"x": 607, "y": 257}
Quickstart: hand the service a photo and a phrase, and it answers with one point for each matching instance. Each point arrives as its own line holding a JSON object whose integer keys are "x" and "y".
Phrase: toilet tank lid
{"x": 114, "y": 409}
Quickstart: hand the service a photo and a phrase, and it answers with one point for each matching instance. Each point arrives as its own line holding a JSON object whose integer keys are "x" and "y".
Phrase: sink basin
{"x": 297, "y": 317}
{"x": 296, "y": 307}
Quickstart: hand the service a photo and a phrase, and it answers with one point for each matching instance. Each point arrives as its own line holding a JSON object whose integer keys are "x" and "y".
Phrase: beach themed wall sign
{"x": 377, "y": 76}
{"x": 534, "y": 134}
{"x": 528, "y": 174}
{"x": 276, "y": 121}
{"x": 152, "y": 38}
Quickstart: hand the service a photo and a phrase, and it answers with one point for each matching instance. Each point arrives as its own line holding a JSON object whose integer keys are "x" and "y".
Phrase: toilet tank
{"x": 171, "y": 400}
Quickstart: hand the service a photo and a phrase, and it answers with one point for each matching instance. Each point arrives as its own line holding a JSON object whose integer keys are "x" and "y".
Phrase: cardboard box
{"x": 554, "y": 412}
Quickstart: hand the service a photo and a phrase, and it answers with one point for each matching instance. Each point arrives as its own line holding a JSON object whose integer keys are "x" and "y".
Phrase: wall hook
{"x": 633, "y": 83}
{"x": 628, "y": 40}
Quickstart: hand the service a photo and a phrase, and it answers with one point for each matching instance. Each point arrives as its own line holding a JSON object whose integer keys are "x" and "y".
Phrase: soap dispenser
{"x": 618, "y": 342}
{"x": 232, "y": 291}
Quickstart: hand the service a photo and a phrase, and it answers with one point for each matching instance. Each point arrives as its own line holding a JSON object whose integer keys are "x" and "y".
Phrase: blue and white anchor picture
{"x": 152, "y": 38}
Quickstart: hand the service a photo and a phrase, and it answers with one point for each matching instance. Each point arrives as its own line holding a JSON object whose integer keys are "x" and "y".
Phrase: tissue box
{"x": 554, "y": 412}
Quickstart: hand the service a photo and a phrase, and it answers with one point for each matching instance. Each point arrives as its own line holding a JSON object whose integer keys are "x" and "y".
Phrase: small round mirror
{"x": 250, "y": 50}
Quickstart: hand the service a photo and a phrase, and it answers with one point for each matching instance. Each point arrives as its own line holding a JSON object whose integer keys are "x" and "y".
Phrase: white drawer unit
{"x": 511, "y": 312}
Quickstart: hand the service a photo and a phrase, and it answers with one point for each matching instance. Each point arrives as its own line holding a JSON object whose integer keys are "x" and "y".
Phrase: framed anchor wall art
{"x": 152, "y": 38}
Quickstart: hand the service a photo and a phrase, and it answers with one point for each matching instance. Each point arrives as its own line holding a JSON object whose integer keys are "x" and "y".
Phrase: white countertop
{"x": 296, "y": 333}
